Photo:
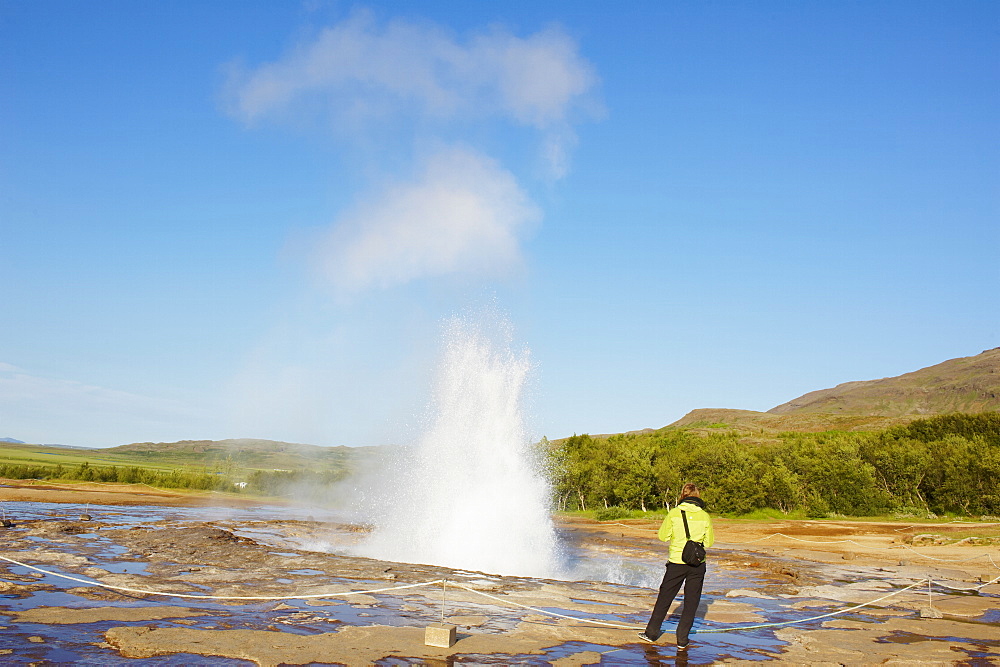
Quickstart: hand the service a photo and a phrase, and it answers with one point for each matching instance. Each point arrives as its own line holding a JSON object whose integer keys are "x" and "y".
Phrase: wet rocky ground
{"x": 176, "y": 576}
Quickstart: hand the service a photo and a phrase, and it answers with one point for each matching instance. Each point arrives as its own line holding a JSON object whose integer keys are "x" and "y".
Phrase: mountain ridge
{"x": 964, "y": 384}
{"x": 249, "y": 453}
{"x": 228, "y": 444}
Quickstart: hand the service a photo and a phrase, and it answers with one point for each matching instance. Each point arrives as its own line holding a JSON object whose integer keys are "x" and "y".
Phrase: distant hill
{"x": 966, "y": 384}
{"x": 706, "y": 420}
{"x": 246, "y": 453}
{"x": 227, "y": 446}
{"x": 169, "y": 462}
{"x": 16, "y": 442}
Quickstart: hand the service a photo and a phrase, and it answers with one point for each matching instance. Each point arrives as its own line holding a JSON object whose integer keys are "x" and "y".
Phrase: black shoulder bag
{"x": 694, "y": 552}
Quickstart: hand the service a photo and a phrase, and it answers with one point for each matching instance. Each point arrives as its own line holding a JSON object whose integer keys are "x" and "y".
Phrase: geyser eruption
{"x": 471, "y": 494}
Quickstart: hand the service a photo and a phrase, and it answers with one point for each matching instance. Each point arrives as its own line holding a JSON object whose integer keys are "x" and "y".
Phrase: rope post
{"x": 929, "y": 611}
{"x": 444, "y": 597}
{"x": 442, "y": 635}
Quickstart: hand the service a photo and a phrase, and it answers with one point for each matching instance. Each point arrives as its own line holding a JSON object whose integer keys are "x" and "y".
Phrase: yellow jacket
{"x": 699, "y": 523}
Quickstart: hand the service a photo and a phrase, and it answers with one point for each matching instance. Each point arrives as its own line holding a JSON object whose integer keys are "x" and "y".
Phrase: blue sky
{"x": 252, "y": 219}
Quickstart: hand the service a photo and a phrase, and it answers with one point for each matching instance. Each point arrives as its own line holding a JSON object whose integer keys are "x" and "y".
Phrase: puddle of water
{"x": 78, "y": 644}
{"x": 901, "y": 637}
{"x": 569, "y": 648}
{"x": 593, "y": 602}
{"x": 623, "y": 618}
{"x": 991, "y": 616}
{"x": 983, "y": 656}
{"x": 138, "y": 514}
{"x": 56, "y": 598}
{"x": 126, "y": 567}
{"x": 306, "y": 571}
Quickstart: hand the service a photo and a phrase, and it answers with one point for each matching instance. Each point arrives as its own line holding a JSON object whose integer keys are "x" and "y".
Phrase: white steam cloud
{"x": 359, "y": 70}
{"x": 463, "y": 214}
{"x": 383, "y": 84}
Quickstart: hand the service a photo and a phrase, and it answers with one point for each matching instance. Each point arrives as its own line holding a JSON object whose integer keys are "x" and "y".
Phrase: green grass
{"x": 651, "y": 515}
{"x": 85, "y": 465}
{"x": 707, "y": 424}
{"x": 236, "y": 463}
{"x": 270, "y": 469}
{"x": 768, "y": 514}
{"x": 16, "y": 454}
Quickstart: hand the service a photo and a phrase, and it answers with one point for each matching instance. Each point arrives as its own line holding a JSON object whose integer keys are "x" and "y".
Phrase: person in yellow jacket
{"x": 699, "y": 524}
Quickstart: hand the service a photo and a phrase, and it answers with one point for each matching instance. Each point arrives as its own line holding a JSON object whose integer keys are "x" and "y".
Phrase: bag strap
{"x": 687, "y": 532}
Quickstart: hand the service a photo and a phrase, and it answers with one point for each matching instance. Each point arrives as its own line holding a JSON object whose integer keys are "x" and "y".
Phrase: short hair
{"x": 689, "y": 490}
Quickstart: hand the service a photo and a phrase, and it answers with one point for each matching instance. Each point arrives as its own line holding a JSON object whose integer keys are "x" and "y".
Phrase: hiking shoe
{"x": 646, "y": 638}
{"x": 682, "y": 647}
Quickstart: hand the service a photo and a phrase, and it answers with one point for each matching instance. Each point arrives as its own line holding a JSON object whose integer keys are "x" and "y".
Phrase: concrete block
{"x": 440, "y": 634}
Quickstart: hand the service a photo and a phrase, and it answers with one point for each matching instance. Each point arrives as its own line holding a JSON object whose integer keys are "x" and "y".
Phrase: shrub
{"x": 612, "y": 513}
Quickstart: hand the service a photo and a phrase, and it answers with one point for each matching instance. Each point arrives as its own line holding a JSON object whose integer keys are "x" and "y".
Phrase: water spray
{"x": 471, "y": 493}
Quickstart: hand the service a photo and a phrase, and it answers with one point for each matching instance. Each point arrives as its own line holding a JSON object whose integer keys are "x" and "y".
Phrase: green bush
{"x": 948, "y": 464}
{"x": 175, "y": 479}
{"x": 612, "y": 513}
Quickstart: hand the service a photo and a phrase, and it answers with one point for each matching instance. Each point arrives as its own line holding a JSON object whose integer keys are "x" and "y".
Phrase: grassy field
{"x": 47, "y": 455}
{"x": 249, "y": 466}
{"x": 237, "y": 458}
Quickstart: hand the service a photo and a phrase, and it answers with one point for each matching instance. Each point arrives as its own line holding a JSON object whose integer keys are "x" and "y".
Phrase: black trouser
{"x": 693, "y": 579}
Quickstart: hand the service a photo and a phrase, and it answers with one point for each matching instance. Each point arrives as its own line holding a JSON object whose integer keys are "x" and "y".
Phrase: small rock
{"x": 849, "y": 555}
{"x": 745, "y": 593}
{"x": 930, "y": 612}
{"x": 36, "y": 640}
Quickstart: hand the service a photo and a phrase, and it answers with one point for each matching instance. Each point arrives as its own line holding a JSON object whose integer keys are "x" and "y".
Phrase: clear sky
{"x": 251, "y": 219}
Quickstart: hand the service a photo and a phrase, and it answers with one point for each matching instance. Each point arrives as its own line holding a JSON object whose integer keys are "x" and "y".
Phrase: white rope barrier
{"x": 220, "y": 597}
{"x": 970, "y": 588}
{"x": 797, "y": 539}
{"x": 952, "y": 560}
{"x": 445, "y": 582}
{"x": 858, "y": 544}
{"x": 545, "y": 611}
{"x": 945, "y": 523}
{"x": 811, "y": 618}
